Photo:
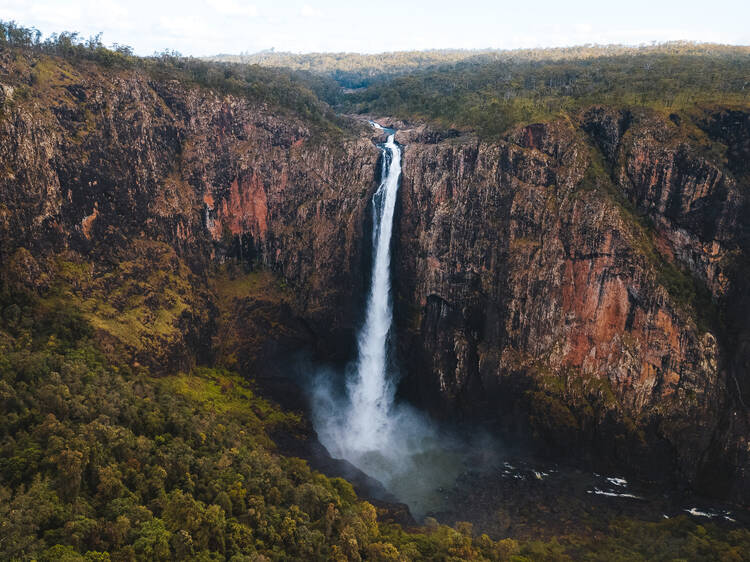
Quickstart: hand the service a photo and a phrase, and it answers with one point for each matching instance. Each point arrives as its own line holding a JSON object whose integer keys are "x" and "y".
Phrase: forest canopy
{"x": 356, "y": 70}
{"x": 492, "y": 90}
{"x": 493, "y": 96}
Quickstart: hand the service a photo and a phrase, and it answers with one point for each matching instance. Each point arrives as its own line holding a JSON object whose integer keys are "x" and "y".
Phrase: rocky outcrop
{"x": 95, "y": 160}
{"x": 581, "y": 282}
{"x": 569, "y": 279}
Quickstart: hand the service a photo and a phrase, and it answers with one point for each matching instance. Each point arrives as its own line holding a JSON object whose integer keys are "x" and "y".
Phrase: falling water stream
{"x": 391, "y": 442}
{"x": 371, "y": 389}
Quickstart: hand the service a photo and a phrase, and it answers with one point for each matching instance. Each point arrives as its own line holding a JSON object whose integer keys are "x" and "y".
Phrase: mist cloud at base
{"x": 412, "y": 456}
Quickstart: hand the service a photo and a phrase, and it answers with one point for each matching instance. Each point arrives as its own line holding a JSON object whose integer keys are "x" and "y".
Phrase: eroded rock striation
{"x": 96, "y": 161}
{"x": 582, "y": 281}
{"x": 585, "y": 276}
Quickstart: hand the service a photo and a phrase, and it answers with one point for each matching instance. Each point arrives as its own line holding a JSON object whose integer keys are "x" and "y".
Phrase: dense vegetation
{"x": 295, "y": 92}
{"x": 100, "y": 460}
{"x": 107, "y": 460}
{"x": 491, "y": 97}
{"x": 355, "y": 70}
{"x": 491, "y": 90}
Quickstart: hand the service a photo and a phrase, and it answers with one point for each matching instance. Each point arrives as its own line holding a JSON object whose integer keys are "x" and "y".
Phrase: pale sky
{"x": 206, "y": 27}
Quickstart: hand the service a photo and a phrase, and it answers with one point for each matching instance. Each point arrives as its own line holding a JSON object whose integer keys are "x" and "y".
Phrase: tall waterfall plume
{"x": 389, "y": 441}
{"x": 371, "y": 390}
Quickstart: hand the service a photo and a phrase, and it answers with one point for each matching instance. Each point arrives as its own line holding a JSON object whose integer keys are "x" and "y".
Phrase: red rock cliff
{"x": 583, "y": 279}
{"x": 571, "y": 279}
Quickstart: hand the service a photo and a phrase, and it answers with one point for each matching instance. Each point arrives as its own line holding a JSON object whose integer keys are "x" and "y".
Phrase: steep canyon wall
{"x": 581, "y": 282}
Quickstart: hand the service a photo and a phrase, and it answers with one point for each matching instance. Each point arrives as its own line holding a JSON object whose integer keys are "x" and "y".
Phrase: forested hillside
{"x": 280, "y": 89}
{"x": 354, "y": 70}
{"x": 491, "y": 90}
{"x": 492, "y": 96}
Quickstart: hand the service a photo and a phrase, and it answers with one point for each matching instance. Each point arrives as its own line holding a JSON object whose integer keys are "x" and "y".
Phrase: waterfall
{"x": 371, "y": 390}
{"x": 359, "y": 426}
{"x": 390, "y": 441}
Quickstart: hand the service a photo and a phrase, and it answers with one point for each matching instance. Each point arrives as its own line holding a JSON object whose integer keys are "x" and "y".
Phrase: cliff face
{"x": 582, "y": 279}
{"x": 575, "y": 279}
{"x": 96, "y": 161}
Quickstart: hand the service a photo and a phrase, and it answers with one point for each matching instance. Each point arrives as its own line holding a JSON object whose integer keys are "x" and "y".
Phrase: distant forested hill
{"x": 492, "y": 96}
{"x": 491, "y": 90}
{"x": 356, "y": 70}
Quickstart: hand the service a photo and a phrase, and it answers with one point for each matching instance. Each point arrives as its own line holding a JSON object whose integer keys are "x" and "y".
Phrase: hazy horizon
{"x": 212, "y": 27}
{"x": 478, "y": 49}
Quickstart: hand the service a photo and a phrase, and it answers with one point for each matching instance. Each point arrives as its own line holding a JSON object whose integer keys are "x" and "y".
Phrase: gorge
{"x": 568, "y": 295}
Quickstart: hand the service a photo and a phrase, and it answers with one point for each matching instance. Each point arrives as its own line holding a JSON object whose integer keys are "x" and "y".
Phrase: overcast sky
{"x": 205, "y": 27}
